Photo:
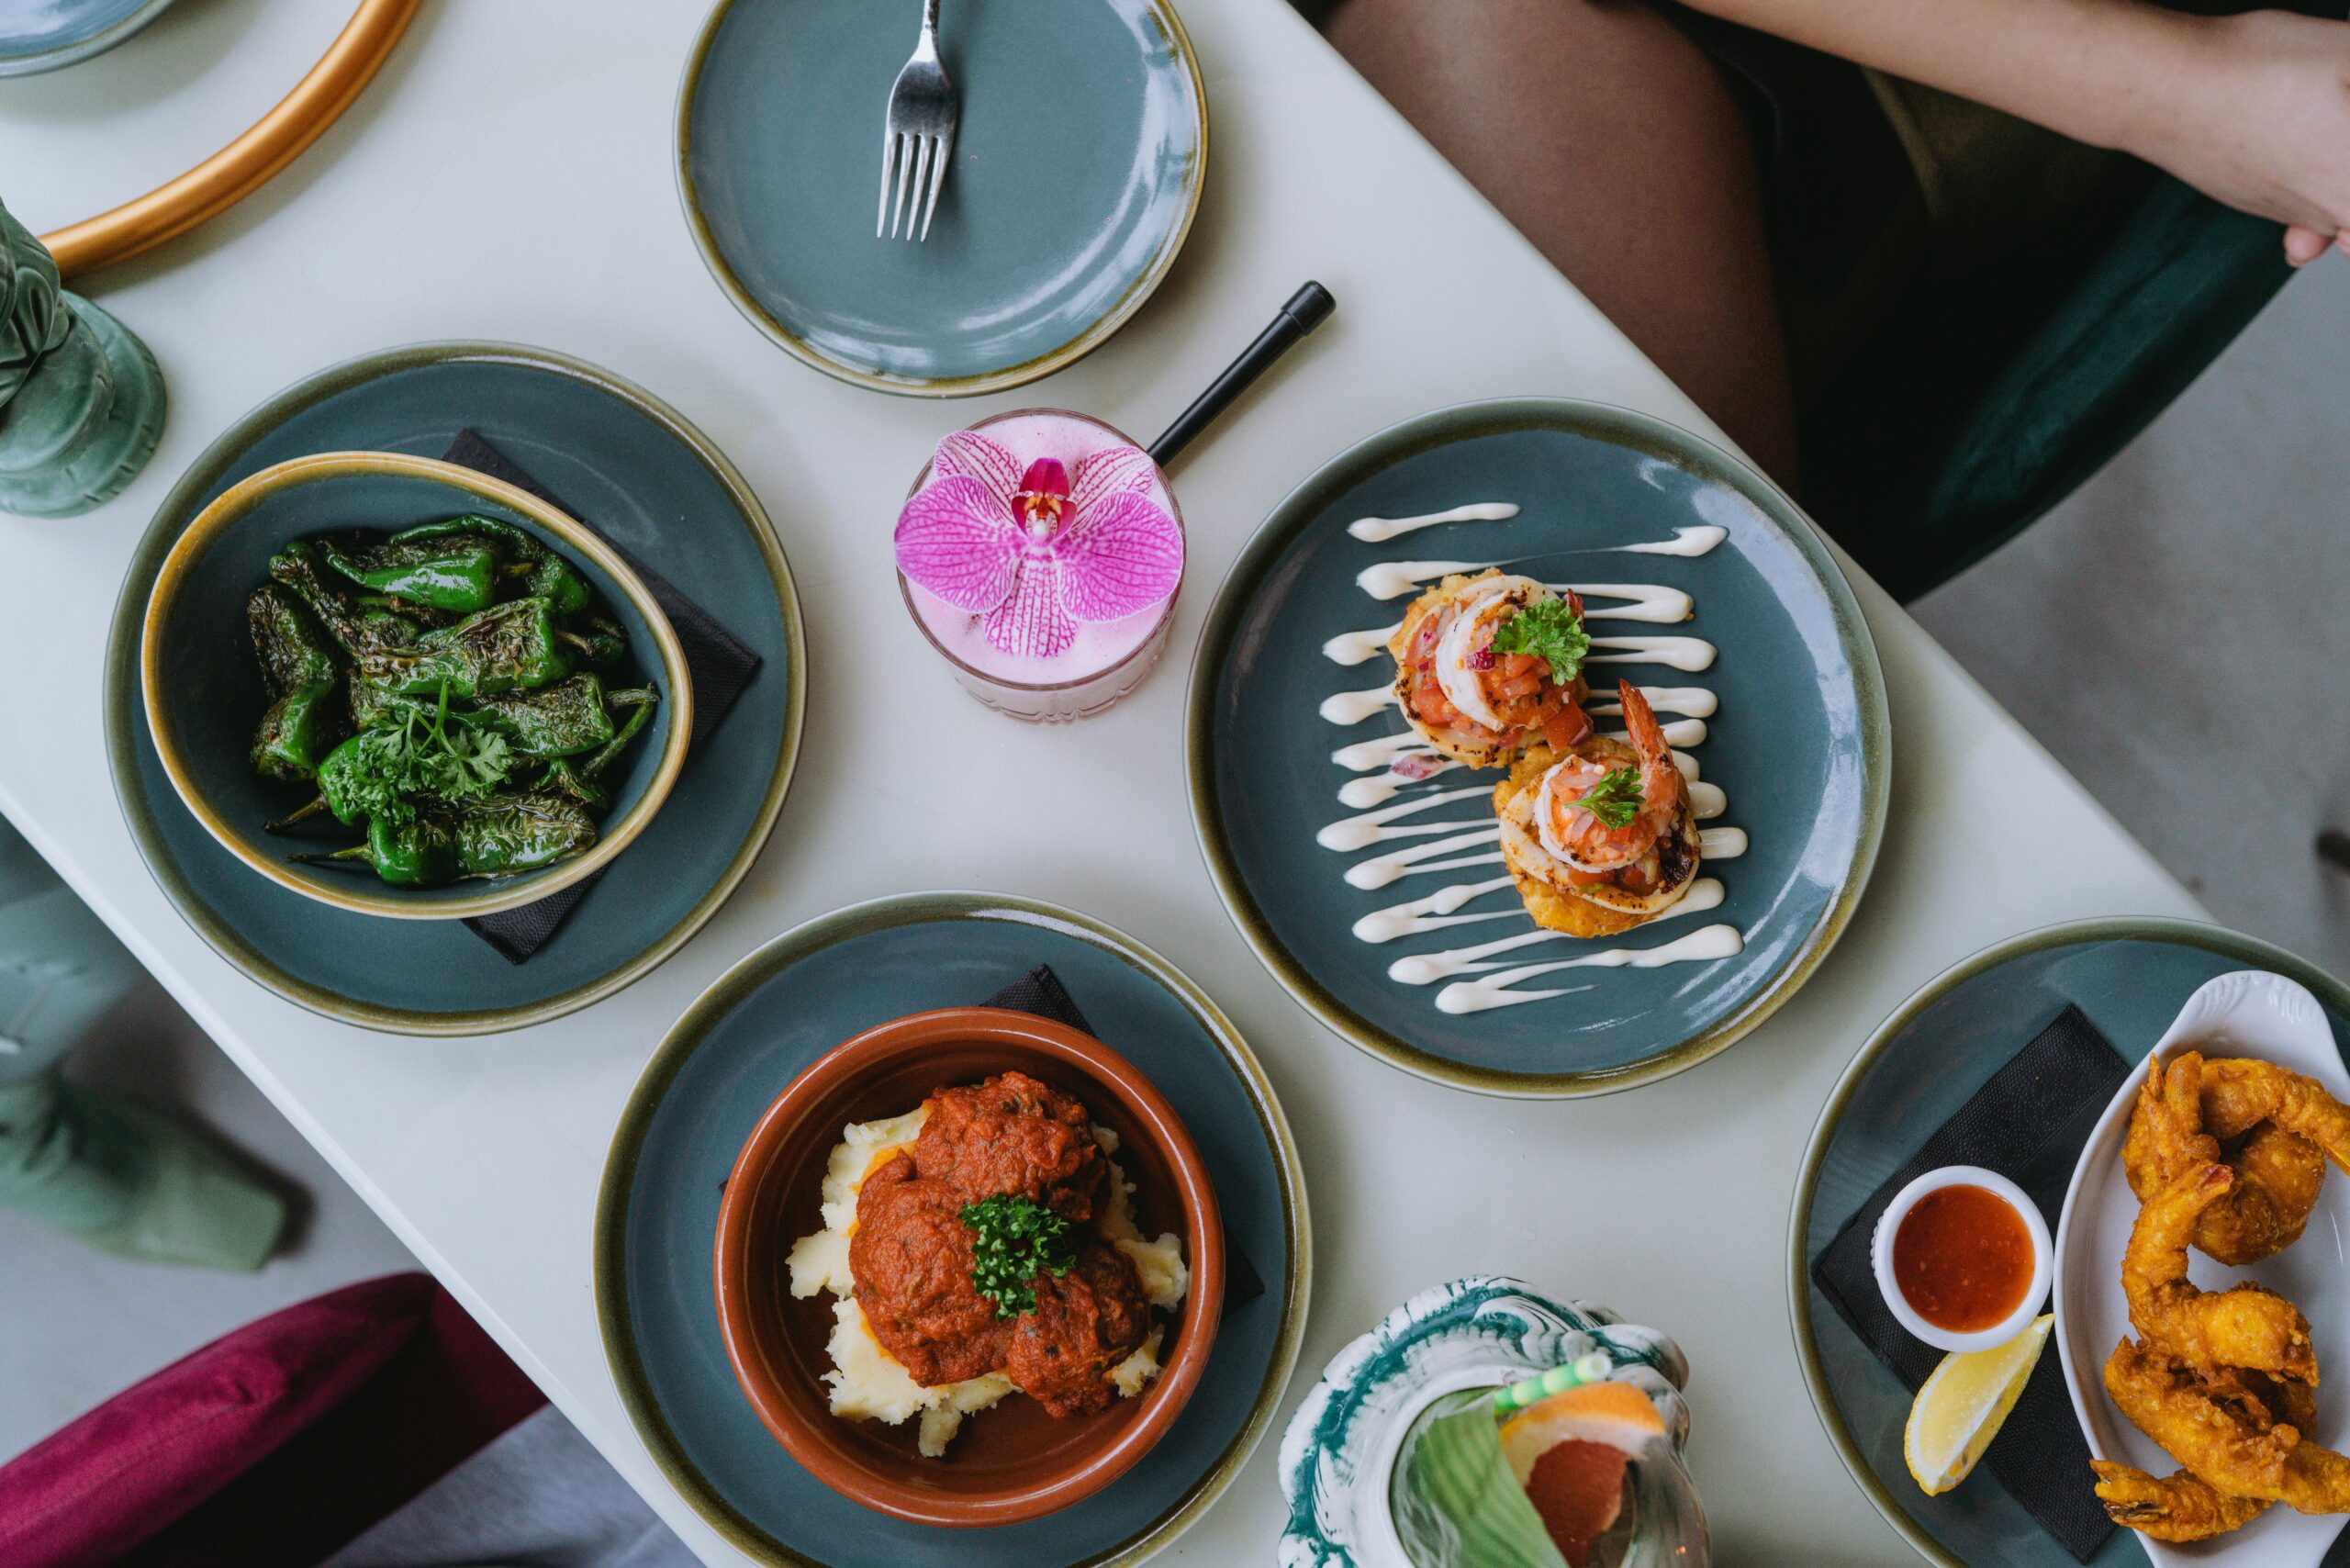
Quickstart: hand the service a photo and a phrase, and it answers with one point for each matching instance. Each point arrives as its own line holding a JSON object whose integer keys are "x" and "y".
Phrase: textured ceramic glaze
{"x": 625, "y": 463}
{"x": 759, "y": 1026}
{"x": 1340, "y": 1451}
{"x": 42, "y": 35}
{"x": 2131, "y": 977}
{"x": 81, "y": 399}
{"x": 1800, "y": 743}
{"x": 1078, "y": 166}
{"x": 2250, "y": 1012}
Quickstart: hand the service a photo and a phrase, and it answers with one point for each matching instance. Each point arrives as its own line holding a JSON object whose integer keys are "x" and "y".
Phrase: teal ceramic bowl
{"x": 1077, "y": 169}
{"x": 203, "y": 690}
{"x": 756, "y": 1030}
{"x": 1787, "y": 721}
{"x": 2131, "y": 977}
{"x": 45, "y": 35}
{"x": 647, "y": 479}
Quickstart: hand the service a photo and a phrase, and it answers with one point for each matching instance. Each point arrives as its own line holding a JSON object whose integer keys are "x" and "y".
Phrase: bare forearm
{"x": 2099, "y": 71}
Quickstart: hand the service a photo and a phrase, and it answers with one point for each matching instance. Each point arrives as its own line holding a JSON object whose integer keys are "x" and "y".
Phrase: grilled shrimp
{"x": 1580, "y": 836}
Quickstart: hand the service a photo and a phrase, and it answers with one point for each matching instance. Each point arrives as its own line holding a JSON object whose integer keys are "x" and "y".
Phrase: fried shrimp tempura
{"x": 2238, "y": 1092}
{"x": 2215, "y": 1426}
{"x": 2180, "y": 1506}
{"x": 2246, "y": 1327}
{"x": 2279, "y": 1174}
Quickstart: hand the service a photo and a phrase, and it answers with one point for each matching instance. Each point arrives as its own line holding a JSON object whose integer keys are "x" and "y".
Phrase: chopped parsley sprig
{"x": 1550, "y": 629}
{"x": 427, "y": 756}
{"x": 1615, "y": 800}
{"x": 1014, "y": 1240}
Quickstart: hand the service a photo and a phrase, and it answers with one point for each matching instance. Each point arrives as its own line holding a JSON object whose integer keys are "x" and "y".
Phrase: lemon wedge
{"x": 1958, "y": 1408}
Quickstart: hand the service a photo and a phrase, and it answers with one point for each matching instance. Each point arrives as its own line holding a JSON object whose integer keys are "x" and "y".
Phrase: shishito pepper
{"x": 561, "y": 720}
{"x": 454, "y": 572}
{"x": 503, "y": 836}
{"x": 544, "y": 574}
{"x": 506, "y": 647}
{"x": 362, "y": 633}
{"x": 300, "y": 670}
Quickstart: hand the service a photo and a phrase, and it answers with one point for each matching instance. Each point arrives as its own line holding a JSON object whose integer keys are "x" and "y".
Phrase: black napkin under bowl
{"x": 2029, "y": 1123}
{"x": 718, "y": 664}
{"x": 1041, "y": 993}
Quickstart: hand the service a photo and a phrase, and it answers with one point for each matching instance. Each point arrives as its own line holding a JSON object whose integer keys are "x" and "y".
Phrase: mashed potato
{"x": 867, "y": 1383}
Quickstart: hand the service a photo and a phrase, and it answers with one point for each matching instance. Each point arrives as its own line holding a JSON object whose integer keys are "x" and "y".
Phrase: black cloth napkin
{"x": 2028, "y": 1123}
{"x": 1041, "y": 993}
{"x": 718, "y": 663}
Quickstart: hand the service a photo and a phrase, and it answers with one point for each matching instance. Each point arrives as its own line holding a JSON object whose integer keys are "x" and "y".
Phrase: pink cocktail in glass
{"x": 1041, "y": 553}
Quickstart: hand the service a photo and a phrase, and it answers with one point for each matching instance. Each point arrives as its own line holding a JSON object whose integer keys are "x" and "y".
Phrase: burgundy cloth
{"x": 273, "y": 1445}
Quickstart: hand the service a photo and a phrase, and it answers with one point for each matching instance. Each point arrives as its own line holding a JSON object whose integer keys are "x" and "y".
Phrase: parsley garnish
{"x": 1615, "y": 800}
{"x": 428, "y": 755}
{"x": 1013, "y": 1241}
{"x": 1550, "y": 629}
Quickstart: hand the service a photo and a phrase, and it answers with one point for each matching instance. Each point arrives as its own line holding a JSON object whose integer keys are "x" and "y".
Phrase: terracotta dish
{"x": 1012, "y": 1462}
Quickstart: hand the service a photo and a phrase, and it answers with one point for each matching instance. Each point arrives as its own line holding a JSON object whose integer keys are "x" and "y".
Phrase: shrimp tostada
{"x": 1488, "y": 666}
{"x": 1602, "y": 839}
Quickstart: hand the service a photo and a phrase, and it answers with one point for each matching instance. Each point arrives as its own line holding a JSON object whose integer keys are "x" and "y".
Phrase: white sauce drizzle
{"x": 1371, "y": 827}
{"x": 1376, "y": 529}
{"x": 1710, "y": 941}
{"x": 1426, "y": 969}
{"x": 1382, "y": 869}
{"x": 1361, "y": 792}
{"x": 1447, "y": 846}
{"x": 1433, "y": 913}
{"x": 1364, "y": 755}
{"x": 1686, "y": 542}
{"x": 1691, "y": 653}
{"x": 1354, "y": 707}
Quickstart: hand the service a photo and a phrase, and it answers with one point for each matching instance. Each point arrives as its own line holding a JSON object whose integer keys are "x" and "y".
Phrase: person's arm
{"x": 2252, "y": 109}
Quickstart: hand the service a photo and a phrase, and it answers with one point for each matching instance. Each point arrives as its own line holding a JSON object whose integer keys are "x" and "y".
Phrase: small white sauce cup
{"x": 1890, "y": 1225}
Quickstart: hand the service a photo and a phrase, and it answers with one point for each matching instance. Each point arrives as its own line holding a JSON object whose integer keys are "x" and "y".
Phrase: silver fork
{"x": 918, "y": 138}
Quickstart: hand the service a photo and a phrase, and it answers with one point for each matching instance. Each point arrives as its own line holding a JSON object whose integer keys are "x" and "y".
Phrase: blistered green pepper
{"x": 561, "y": 720}
{"x": 506, "y": 647}
{"x": 507, "y": 834}
{"x": 363, "y": 632}
{"x": 455, "y": 572}
{"x": 418, "y": 853}
{"x": 543, "y": 573}
{"x": 294, "y": 649}
{"x": 298, "y": 732}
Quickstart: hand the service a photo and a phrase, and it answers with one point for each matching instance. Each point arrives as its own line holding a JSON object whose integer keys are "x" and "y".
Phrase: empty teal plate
{"x": 42, "y": 35}
{"x": 1077, "y": 169}
{"x": 635, "y": 469}
{"x": 1794, "y": 737}
{"x": 747, "y": 1037}
{"x": 2131, "y": 977}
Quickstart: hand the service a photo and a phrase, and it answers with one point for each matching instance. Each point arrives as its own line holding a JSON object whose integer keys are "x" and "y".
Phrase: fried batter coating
{"x": 2279, "y": 1174}
{"x": 2213, "y": 1424}
{"x": 2180, "y": 1506}
{"x": 2246, "y": 1327}
{"x": 2238, "y": 1092}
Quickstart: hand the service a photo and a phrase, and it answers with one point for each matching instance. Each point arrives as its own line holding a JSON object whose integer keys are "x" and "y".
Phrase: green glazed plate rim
{"x": 1163, "y": 260}
{"x": 2211, "y": 938}
{"x": 57, "y": 57}
{"x": 754, "y": 969}
{"x": 1299, "y": 508}
{"x": 180, "y": 507}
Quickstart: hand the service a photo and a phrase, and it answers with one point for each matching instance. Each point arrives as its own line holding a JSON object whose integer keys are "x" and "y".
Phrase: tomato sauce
{"x": 1963, "y": 1259}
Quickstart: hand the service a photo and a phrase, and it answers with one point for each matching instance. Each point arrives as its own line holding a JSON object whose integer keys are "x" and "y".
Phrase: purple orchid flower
{"x": 1039, "y": 551}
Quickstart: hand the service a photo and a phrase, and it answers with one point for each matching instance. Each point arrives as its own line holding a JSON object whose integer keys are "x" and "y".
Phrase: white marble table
{"x": 509, "y": 177}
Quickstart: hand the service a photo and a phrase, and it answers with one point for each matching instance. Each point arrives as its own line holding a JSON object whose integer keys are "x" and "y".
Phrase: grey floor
{"x": 2176, "y": 633}
{"x": 2173, "y": 635}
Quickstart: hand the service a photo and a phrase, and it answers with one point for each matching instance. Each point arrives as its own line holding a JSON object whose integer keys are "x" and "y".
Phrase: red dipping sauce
{"x": 1963, "y": 1259}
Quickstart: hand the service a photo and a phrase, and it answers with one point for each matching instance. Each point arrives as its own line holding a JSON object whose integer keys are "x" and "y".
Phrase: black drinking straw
{"x": 1306, "y": 309}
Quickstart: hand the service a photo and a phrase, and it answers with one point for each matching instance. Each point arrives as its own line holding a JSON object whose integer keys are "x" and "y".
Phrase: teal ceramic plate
{"x": 42, "y": 35}
{"x": 748, "y": 1037}
{"x": 1776, "y": 695}
{"x": 1077, "y": 169}
{"x": 2131, "y": 977}
{"x": 635, "y": 468}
